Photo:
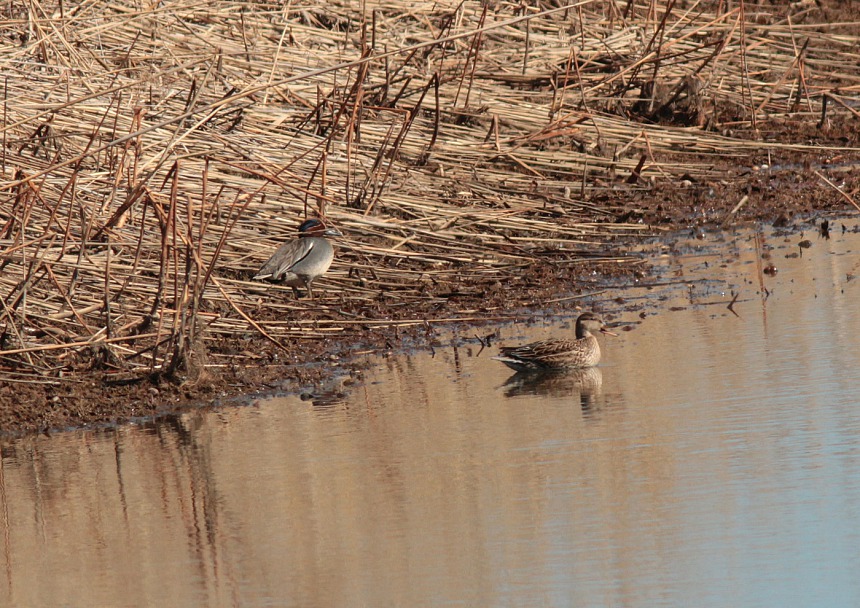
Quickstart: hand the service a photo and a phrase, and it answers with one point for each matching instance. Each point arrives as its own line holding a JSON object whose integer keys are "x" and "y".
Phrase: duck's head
{"x": 588, "y": 322}
{"x": 316, "y": 227}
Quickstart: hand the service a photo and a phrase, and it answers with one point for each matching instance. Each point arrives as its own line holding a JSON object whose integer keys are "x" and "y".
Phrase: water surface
{"x": 711, "y": 460}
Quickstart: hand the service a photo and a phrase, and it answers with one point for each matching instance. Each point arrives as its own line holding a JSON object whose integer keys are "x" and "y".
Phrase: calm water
{"x": 712, "y": 460}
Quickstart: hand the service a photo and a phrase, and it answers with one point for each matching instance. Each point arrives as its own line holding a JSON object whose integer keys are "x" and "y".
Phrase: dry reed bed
{"x": 155, "y": 154}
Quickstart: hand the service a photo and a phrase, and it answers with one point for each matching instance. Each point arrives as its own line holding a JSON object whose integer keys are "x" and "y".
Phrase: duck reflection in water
{"x": 586, "y": 382}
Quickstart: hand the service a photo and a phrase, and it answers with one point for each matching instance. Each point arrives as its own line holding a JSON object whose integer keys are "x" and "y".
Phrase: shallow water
{"x": 711, "y": 460}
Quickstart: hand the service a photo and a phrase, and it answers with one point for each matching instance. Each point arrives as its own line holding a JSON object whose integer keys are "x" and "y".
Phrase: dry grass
{"x": 156, "y": 153}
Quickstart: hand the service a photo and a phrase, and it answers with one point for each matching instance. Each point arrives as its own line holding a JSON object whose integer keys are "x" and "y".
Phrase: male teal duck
{"x": 559, "y": 354}
{"x": 300, "y": 261}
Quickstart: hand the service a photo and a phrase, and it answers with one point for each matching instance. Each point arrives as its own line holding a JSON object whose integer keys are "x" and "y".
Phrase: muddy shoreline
{"x": 238, "y": 373}
{"x": 793, "y": 197}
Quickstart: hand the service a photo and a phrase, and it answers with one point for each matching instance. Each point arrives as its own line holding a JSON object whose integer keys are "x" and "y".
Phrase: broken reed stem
{"x": 353, "y": 132}
{"x": 107, "y": 310}
{"x": 73, "y": 345}
{"x": 321, "y": 199}
{"x": 835, "y": 98}
{"x": 177, "y": 341}
{"x": 843, "y": 194}
{"x": 798, "y": 59}
{"x": 475, "y": 53}
{"x": 178, "y": 298}
{"x": 747, "y": 89}
{"x": 5, "y": 123}
{"x": 526, "y": 46}
{"x": 470, "y": 59}
{"x": 658, "y": 35}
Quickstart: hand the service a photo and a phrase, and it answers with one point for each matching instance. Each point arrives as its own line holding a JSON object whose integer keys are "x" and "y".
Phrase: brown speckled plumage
{"x": 557, "y": 353}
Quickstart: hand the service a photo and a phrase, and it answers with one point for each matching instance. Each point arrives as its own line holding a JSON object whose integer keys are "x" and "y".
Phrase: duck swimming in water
{"x": 557, "y": 353}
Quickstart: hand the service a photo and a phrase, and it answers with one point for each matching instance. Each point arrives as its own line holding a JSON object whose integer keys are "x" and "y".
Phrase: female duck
{"x": 559, "y": 354}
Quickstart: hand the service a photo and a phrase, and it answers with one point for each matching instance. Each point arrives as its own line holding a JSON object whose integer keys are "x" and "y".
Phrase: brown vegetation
{"x": 478, "y": 157}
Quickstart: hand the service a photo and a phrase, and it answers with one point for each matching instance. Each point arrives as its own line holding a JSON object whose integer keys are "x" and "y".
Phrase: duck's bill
{"x": 605, "y": 330}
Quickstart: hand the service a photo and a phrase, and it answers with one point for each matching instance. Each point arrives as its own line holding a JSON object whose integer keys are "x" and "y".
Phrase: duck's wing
{"x": 547, "y": 351}
{"x": 284, "y": 259}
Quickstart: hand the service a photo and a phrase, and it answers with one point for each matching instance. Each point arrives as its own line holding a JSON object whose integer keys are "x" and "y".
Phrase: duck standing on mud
{"x": 300, "y": 261}
{"x": 556, "y": 353}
